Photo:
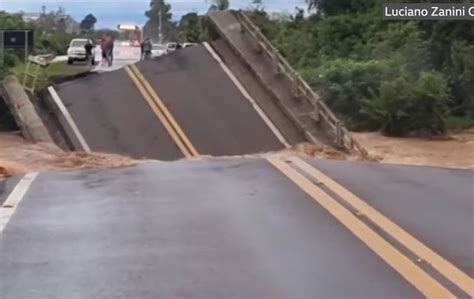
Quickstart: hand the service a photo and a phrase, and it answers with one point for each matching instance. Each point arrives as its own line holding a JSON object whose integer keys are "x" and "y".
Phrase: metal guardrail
{"x": 301, "y": 87}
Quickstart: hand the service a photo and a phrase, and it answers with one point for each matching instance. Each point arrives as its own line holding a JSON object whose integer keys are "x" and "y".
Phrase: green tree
{"x": 88, "y": 23}
{"x": 168, "y": 27}
{"x": 346, "y": 84}
{"x": 11, "y": 56}
{"x": 61, "y": 25}
{"x": 190, "y": 27}
{"x": 11, "y": 21}
{"x": 331, "y": 7}
{"x": 219, "y": 5}
{"x": 404, "y": 106}
{"x": 461, "y": 79}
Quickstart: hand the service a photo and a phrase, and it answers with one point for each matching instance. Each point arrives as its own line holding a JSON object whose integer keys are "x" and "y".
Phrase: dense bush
{"x": 403, "y": 106}
{"x": 345, "y": 84}
{"x": 461, "y": 79}
{"x": 53, "y": 43}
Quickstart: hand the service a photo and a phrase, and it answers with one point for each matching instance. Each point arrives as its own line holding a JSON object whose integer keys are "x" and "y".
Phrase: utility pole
{"x": 160, "y": 28}
{"x": 26, "y": 47}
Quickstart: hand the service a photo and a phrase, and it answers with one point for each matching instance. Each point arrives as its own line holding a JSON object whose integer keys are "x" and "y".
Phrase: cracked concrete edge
{"x": 23, "y": 111}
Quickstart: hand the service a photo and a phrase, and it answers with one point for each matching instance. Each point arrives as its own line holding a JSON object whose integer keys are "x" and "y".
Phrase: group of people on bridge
{"x": 107, "y": 47}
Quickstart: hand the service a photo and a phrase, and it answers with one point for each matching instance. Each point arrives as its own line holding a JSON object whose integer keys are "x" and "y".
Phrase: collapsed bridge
{"x": 265, "y": 226}
{"x": 235, "y": 95}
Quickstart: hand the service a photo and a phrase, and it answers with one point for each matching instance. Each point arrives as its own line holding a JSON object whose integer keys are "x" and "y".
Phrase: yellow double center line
{"x": 407, "y": 268}
{"x": 163, "y": 114}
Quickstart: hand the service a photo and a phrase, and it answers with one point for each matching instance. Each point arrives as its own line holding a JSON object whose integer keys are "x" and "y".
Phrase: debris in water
{"x": 320, "y": 151}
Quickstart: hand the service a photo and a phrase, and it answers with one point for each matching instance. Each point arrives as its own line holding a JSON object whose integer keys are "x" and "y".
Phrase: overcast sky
{"x": 112, "y": 12}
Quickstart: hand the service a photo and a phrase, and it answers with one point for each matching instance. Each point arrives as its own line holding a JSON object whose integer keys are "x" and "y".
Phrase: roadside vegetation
{"x": 45, "y": 78}
{"x": 397, "y": 77}
{"x": 54, "y": 71}
{"x": 51, "y": 35}
{"x": 53, "y": 32}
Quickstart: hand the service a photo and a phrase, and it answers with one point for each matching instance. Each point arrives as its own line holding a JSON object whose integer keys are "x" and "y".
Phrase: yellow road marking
{"x": 443, "y": 266}
{"x": 402, "y": 264}
{"x": 169, "y": 128}
{"x": 158, "y": 113}
{"x": 192, "y": 150}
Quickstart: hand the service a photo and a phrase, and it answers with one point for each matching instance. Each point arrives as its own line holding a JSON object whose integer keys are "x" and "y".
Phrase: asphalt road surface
{"x": 240, "y": 228}
{"x": 207, "y": 105}
{"x": 113, "y": 117}
{"x": 122, "y": 56}
{"x": 116, "y": 111}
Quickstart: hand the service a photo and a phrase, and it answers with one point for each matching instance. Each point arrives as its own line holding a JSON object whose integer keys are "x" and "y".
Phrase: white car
{"x": 158, "y": 50}
{"x": 77, "y": 52}
{"x": 186, "y": 45}
{"x": 125, "y": 43}
{"x": 171, "y": 47}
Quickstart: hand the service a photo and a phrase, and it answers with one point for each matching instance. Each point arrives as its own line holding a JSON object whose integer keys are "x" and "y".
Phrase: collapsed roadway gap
{"x": 202, "y": 100}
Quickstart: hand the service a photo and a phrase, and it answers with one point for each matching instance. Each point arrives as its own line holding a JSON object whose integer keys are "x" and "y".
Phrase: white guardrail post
{"x": 296, "y": 86}
{"x": 259, "y": 41}
{"x": 339, "y": 138}
{"x": 316, "y": 100}
{"x": 276, "y": 59}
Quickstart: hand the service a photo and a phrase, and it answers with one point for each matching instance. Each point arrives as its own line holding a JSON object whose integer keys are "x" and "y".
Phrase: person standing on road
{"x": 88, "y": 47}
{"x": 110, "y": 48}
{"x": 142, "y": 52}
{"x": 103, "y": 47}
{"x": 147, "y": 47}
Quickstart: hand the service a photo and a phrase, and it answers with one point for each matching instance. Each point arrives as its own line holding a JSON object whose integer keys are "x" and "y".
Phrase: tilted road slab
{"x": 112, "y": 115}
{"x": 215, "y": 115}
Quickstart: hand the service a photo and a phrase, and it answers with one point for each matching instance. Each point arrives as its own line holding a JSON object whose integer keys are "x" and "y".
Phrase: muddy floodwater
{"x": 456, "y": 150}
{"x": 18, "y": 156}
